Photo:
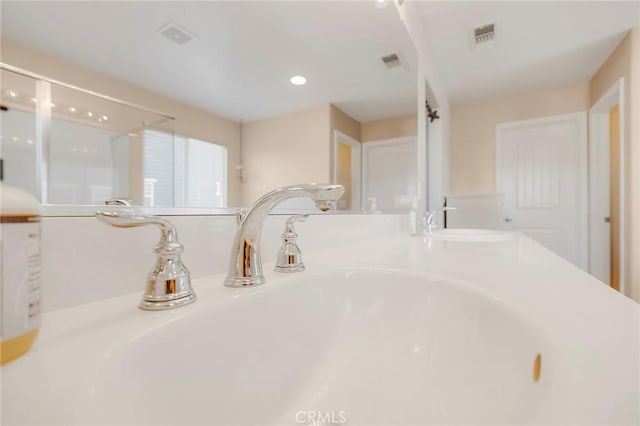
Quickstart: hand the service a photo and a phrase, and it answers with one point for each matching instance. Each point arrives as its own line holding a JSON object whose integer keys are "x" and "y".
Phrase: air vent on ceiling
{"x": 484, "y": 35}
{"x": 393, "y": 62}
{"x": 177, "y": 34}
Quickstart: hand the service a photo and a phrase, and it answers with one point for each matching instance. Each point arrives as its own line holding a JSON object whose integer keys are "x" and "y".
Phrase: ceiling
{"x": 538, "y": 44}
{"x": 240, "y": 64}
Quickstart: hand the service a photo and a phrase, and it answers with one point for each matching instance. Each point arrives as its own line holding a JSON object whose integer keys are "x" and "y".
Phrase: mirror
{"x": 197, "y": 107}
{"x": 86, "y": 146}
{"x": 537, "y": 135}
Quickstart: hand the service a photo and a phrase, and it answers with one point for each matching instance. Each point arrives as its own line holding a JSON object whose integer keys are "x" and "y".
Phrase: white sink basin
{"x": 365, "y": 345}
{"x": 464, "y": 234}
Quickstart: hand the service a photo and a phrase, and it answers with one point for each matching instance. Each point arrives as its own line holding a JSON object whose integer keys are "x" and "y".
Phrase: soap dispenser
{"x": 20, "y": 271}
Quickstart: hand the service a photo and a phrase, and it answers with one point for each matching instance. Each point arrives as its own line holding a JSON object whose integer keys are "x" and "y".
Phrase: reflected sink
{"x": 366, "y": 345}
{"x": 465, "y": 234}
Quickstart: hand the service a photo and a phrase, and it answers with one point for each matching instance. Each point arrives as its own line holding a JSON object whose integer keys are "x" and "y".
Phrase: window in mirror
{"x": 183, "y": 172}
{"x": 18, "y": 131}
{"x": 81, "y": 164}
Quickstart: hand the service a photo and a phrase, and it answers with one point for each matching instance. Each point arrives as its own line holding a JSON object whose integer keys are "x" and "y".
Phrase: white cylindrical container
{"x": 20, "y": 271}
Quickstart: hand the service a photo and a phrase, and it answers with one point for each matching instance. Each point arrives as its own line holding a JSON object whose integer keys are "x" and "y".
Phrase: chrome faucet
{"x": 430, "y": 224}
{"x": 245, "y": 265}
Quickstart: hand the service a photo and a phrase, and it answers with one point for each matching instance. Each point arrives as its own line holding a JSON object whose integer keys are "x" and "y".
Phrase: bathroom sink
{"x": 355, "y": 345}
{"x": 465, "y": 234}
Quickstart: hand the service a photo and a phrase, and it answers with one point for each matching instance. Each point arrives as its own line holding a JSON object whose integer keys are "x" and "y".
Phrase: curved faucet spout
{"x": 245, "y": 265}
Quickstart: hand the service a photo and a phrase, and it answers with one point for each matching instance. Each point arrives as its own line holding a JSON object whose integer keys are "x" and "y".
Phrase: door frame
{"x": 356, "y": 166}
{"x": 599, "y": 140}
{"x": 580, "y": 118}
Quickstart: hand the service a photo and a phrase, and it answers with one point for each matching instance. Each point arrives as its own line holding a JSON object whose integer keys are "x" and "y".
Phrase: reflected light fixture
{"x": 298, "y": 80}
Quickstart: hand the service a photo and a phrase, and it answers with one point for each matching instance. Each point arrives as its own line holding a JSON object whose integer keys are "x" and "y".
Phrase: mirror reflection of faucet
{"x": 429, "y": 222}
{"x": 372, "y": 206}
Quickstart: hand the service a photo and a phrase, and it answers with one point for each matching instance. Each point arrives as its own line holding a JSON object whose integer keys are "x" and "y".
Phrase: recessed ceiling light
{"x": 72, "y": 109}
{"x": 30, "y": 142}
{"x": 382, "y": 3}
{"x": 15, "y": 138}
{"x": 52, "y": 104}
{"x": 12, "y": 93}
{"x": 105, "y": 118}
{"x": 298, "y": 80}
{"x": 90, "y": 114}
{"x": 34, "y": 100}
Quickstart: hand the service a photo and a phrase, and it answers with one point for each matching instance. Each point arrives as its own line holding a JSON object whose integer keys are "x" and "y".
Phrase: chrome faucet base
{"x": 296, "y": 268}
{"x": 237, "y": 282}
{"x": 161, "y": 305}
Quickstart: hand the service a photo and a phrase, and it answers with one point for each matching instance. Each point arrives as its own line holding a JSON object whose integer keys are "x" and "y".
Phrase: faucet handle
{"x": 290, "y": 257}
{"x": 289, "y": 227}
{"x": 119, "y": 201}
{"x": 168, "y": 283}
{"x": 240, "y": 214}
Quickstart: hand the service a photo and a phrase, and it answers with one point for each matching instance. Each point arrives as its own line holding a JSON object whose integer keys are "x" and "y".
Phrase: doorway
{"x": 347, "y": 170}
{"x": 606, "y": 184}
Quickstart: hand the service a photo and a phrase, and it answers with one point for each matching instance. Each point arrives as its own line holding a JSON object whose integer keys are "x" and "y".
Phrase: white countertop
{"x": 592, "y": 331}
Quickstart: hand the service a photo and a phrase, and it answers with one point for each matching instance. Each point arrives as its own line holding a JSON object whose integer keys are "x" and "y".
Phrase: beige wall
{"x": 375, "y": 130}
{"x": 287, "y": 149}
{"x": 190, "y": 121}
{"x": 389, "y": 128}
{"x": 624, "y": 62}
{"x": 473, "y": 127}
{"x": 344, "y": 123}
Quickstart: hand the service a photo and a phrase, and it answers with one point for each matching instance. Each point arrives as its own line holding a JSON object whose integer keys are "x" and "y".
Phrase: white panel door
{"x": 389, "y": 174}
{"x": 541, "y": 170}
